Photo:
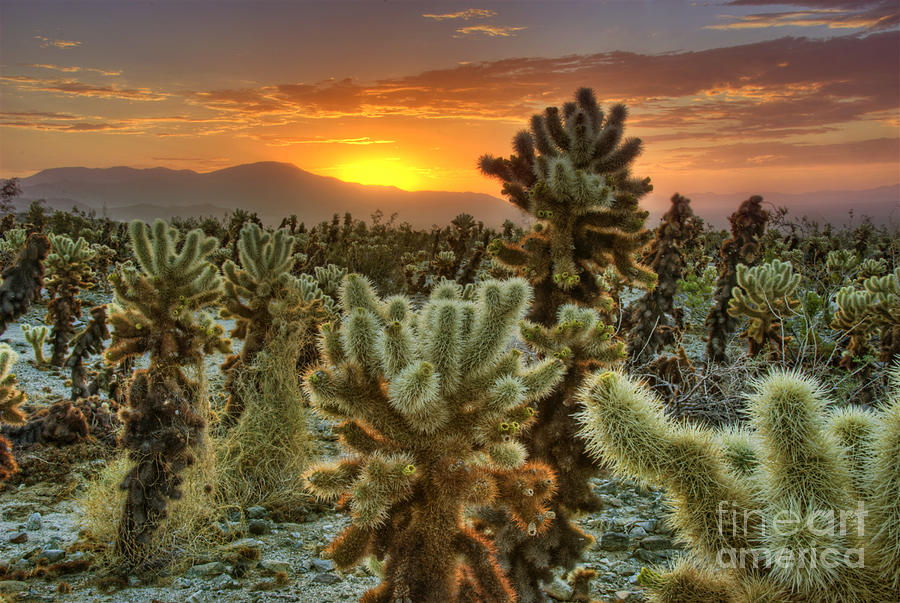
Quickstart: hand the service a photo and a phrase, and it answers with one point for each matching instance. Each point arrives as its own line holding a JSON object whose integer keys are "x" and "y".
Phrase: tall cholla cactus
{"x": 747, "y": 225}
{"x": 267, "y": 260}
{"x": 571, "y": 174}
{"x": 68, "y": 272}
{"x": 21, "y": 282}
{"x": 803, "y": 507}
{"x": 36, "y": 336}
{"x": 763, "y": 295}
{"x": 872, "y": 310}
{"x": 158, "y": 311}
{"x": 651, "y": 317}
{"x": 431, "y": 404}
{"x": 10, "y": 399}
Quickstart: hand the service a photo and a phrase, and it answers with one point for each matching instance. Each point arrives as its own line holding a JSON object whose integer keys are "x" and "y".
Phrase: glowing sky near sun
{"x": 727, "y": 95}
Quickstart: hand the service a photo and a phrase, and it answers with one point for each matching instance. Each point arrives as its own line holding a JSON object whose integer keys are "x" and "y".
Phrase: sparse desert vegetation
{"x": 566, "y": 410}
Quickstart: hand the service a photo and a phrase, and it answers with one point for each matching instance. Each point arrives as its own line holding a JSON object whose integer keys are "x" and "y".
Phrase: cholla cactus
{"x": 840, "y": 264}
{"x": 872, "y": 310}
{"x": 158, "y": 311}
{"x": 68, "y": 272}
{"x": 763, "y": 295}
{"x": 36, "y": 337}
{"x": 571, "y": 174}
{"x": 88, "y": 341}
{"x": 104, "y": 257}
{"x": 871, "y": 267}
{"x": 431, "y": 404}
{"x": 10, "y": 399}
{"x": 10, "y": 244}
{"x": 266, "y": 259}
{"x": 653, "y": 319}
{"x": 759, "y": 508}
{"x": 329, "y": 279}
{"x": 21, "y": 282}
{"x": 747, "y": 226}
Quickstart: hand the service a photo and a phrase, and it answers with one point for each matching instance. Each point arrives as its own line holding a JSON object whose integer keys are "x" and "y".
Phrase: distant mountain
{"x": 273, "y": 190}
{"x": 882, "y": 204}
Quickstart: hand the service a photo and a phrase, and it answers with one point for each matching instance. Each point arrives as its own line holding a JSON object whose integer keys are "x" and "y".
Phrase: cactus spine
{"x": 432, "y": 403}
{"x": 10, "y": 399}
{"x": 159, "y": 311}
{"x": 755, "y": 506}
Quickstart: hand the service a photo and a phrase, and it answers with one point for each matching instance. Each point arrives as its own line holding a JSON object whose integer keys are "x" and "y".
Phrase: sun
{"x": 388, "y": 171}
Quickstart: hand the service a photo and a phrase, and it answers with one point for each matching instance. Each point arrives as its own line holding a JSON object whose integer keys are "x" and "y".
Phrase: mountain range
{"x": 275, "y": 190}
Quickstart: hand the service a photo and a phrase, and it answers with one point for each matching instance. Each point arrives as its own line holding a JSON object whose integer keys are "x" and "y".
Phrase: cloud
{"x": 465, "y": 15}
{"x": 287, "y": 141}
{"x": 61, "y": 127}
{"x": 787, "y": 86}
{"x": 56, "y": 43}
{"x": 72, "y": 69}
{"x": 493, "y": 31}
{"x": 783, "y": 154}
{"x": 870, "y": 15}
{"x": 77, "y": 88}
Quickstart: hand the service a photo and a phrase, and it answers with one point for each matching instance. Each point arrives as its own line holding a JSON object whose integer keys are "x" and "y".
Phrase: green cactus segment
{"x": 871, "y": 311}
{"x": 36, "y": 336}
{"x": 262, "y": 292}
{"x": 783, "y": 486}
{"x": 570, "y": 172}
{"x": 431, "y": 403}
{"x": 159, "y": 310}
{"x": 765, "y": 294}
{"x": 10, "y": 399}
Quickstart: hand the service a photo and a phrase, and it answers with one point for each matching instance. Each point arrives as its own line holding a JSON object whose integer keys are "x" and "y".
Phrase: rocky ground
{"x": 44, "y": 556}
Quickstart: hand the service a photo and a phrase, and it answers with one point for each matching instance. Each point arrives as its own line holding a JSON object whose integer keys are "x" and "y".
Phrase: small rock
{"x": 12, "y": 586}
{"x": 258, "y": 527}
{"x": 206, "y": 570}
{"x": 649, "y": 525}
{"x": 614, "y": 541}
{"x": 326, "y": 578}
{"x": 182, "y": 583}
{"x": 22, "y": 565}
{"x": 134, "y": 581}
{"x": 622, "y": 595}
{"x": 321, "y": 565}
{"x": 637, "y": 532}
{"x": 614, "y": 501}
{"x": 558, "y": 590}
{"x": 19, "y": 538}
{"x": 656, "y": 543}
{"x": 52, "y": 555}
{"x": 257, "y": 512}
{"x": 275, "y": 567}
{"x": 33, "y": 523}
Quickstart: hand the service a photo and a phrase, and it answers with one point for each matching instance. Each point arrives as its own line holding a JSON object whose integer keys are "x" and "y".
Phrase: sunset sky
{"x": 727, "y": 95}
